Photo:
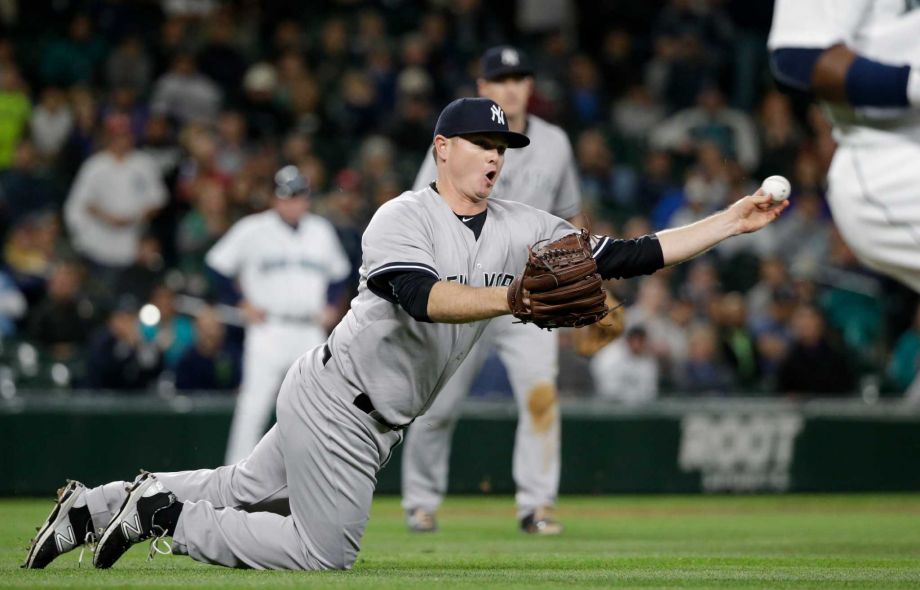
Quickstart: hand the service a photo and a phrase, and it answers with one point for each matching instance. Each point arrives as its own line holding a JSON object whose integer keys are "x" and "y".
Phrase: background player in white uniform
{"x": 422, "y": 303}
{"x": 542, "y": 175}
{"x": 285, "y": 261}
{"x": 862, "y": 57}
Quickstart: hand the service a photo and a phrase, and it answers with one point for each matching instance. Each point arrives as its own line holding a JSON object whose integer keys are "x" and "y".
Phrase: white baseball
{"x": 777, "y": 187}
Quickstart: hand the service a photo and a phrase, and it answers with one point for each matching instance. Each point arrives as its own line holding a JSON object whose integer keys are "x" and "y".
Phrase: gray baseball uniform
{"x": 324, "y": 453}
{"x": 543, "y": 176}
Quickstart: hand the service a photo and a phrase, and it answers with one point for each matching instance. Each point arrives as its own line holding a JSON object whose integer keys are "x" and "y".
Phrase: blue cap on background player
{"x": 289, "y": 182}
{"x": 466, "y": 116}
{"x": 504, "y": 60}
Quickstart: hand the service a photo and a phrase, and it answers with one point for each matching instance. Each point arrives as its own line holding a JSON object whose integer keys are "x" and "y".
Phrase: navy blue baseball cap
{"x": 466, "y": 116}
{"x": 289, "y": 182}
{"x": 504, "y": 60}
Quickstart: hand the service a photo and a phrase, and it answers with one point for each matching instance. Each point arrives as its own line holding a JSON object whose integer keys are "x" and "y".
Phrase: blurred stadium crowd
{"x": 669, "y": 104}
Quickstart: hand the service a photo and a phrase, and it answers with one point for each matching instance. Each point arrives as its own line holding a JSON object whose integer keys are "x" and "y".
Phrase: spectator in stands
{"x": 704, "y": 372}
{"x": 30, "y": 252}
{"x": 806, "y": 226}
{"x": 626, "y": 370}
{"x": 141, "y": 277}
{"x": 771, "y": 329}
{"x": 118, "y": 357}
{"x": 209, "y": 364}
{"x": 73, "y": 59}
{"x": 232, "y": 147}
{"x": 201, "y": 163}
{"x": 267, "y": 120}
{"x": 52, "y": 122}
{"x": 125, "y": 100}
{"x": 737, "y": 342}
{"x": 585, "y": 93}
{"x": 667, "y": 340}
{"x": 636, "y": 113}
{"x": 23, "y": 190}
{"x": 200, "y": 228}
{"x": 701, "y": 287}
{"x": 12, "y": 305}
{"x": 813, "y": 365}
{"x": 851, "y": 300}
{"x": 773, "y": 275}
{"x": 619, "y": 64}
{"x": 160, "y": 145}
{"x": 780, "y": 136}
{"x": 113, "y": 196}
{"x": 711, "y": 120}
{"x": 904, "y": 365}
{"x": 61, "y": 321}
{"x": 411, "y": 126}
{"x": 129, "y": 66}
{"x": 84, "y": 137}
{"x": 172, "y": 333}
{"x": 220, "y": 59}
{"x": 609, "y": 188}
{"x": 16, "y": 109}
{"x": 185, "y": 94}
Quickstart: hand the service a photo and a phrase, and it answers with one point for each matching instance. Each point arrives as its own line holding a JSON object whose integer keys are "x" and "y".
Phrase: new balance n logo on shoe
{"x": 60, "y": 539}
{"x": 136, "y": 528}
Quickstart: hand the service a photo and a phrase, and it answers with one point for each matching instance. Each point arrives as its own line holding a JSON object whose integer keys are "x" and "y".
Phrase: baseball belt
{"x": 363, "y": 401}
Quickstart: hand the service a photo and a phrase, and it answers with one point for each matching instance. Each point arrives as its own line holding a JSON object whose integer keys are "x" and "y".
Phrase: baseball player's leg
{"x": 255, "y": 482}
{"x": 332, "y": 452}
{"x": 426, "y": 454}
{"x": 531, "y": 357}
{"x": 872, "y": 194}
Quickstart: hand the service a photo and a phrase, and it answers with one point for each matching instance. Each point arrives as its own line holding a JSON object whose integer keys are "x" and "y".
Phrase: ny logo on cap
{"x": 498, "y": 115}
{"x": 510, "y": 57}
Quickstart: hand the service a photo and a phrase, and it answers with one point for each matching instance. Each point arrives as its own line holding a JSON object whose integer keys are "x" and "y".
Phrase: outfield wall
{"x": 666, "y": 447}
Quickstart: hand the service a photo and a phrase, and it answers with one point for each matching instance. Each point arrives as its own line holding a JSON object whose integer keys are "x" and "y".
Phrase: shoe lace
{"x": 88, "y": 540}
{"x": 158, "y": 540}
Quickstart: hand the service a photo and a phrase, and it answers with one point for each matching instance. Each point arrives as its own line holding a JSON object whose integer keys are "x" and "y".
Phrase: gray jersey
{"x": 542, "y": 175}
{"x": 378, "y": 348}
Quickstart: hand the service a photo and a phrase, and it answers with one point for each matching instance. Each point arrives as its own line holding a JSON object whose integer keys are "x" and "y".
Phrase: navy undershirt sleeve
{"x": 622, "y": 259}
{"x": 410, "y": 289}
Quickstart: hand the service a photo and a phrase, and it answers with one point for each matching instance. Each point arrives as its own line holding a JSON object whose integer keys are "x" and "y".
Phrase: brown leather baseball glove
{"x": 560, "y": 286}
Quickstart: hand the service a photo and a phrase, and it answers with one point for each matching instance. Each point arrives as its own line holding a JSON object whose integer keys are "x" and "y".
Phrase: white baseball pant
{"x": 531, "y": 357}
{"x": 322, "y": 456}
{"x": 873, "y": 195}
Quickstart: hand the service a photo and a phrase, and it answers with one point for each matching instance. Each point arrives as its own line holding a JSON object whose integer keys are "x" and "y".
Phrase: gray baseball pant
{"x": 531, "y": 357}
{"x": 322, "y": 456}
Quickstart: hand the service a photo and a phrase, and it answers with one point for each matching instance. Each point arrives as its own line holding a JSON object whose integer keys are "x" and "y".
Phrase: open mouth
{"x": 491, "y": 175}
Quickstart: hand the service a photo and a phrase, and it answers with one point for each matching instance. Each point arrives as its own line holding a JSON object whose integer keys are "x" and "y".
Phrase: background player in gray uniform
{"x": 289, "y": 265}
{"x": 428, "y": 283}
{"x": 542, "y": 175}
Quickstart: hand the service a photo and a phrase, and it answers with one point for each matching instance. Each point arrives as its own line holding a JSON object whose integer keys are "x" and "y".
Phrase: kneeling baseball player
{"x": 438, "y": 264}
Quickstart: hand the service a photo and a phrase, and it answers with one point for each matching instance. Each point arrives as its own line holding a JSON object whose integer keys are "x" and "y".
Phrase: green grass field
{"x": 626, "y": 542}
